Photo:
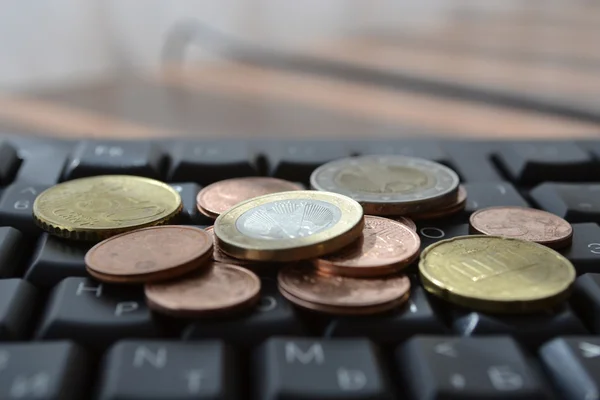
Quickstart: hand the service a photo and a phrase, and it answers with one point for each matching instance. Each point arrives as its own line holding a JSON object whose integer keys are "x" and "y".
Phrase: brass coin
{"x": 496, "y": 274}
{"x": 99, "y": 207}
{"x": 220, "y": 257}
{"x": 385, "y": 247}
{"x": 304, "y": 286}
{"x": 442, "y": 212}
{"x": 220, "y": 196}
{"x": 389, "y": 185}
{"x": 149, "y": 254}
{"x": 289, "y": 226}
{"x": 222, "y": 289}
{"x": 523, "y": 223}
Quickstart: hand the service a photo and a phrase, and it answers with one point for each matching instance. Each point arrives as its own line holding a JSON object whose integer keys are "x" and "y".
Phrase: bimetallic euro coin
{"x": 289, "y": 226}
{"x": 389, "y": 185}
{"x": 102, "y": 206}
{"x": 496, "y": 274}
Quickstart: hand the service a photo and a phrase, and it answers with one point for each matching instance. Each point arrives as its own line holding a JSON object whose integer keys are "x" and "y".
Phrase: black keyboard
{"x": 65, "y": 336}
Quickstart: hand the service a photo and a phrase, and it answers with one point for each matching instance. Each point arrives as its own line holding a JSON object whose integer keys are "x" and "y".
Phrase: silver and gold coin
{"x": 496, "y": 274}
{"x": 389, "y": 185}
{"x": 289, "y": 226}
{"x": 102, "y": 206}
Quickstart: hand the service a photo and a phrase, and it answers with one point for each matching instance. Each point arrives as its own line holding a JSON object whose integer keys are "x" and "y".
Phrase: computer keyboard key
{"x": 492, "y": 194}
{"x": 91, "y": 158}
{"x": 571, "y": 201}
{"x": 9, "y": 163}
{"x": 12, "y": 245}
{"x": 211, "y": 161}
{"x": 190, "y": 214}
{"x": 16, "y": 207}
{"x": 272, "y": 316}
{"x": 531, "y": 330}
{"x": 586, "y": 300}
{"x": 573, "y": 364}
{"x": 433, "y": 231}
{"x": 472, "y": 161}
{"x": 43, "y": 371}
{"x": 584, "y": 252}
{"x": 161, "y": 370}
{"x": 300, "y": 368}
{"x": 530, "y": 163}
{"x": 42, "y": 164}
{"x": 417, "y": 316}
{"x": 296, "y": 160}
{"x": 429, "y": 150}
{"x": 96, "y": 315}
{"x": 438, "y": 367}
{"x": 17, "y": 304}
{"x": 55, "y": 259}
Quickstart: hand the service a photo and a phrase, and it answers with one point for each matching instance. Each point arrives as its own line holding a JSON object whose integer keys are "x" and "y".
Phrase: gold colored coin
{"x": 496, "y": 274}
{"x": 289, "y": 226}
{"x": 100, "y": 207}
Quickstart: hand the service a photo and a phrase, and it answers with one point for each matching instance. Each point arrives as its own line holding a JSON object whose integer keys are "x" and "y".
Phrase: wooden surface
{"x": 543, "y": 58}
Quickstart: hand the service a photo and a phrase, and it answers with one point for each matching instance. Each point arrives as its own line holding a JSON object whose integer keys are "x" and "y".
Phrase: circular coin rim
{"x": 289, "y": 186}
{"x": 189, "y": 312}
{"x": 439, "y": 289}
{"x": 459, "y": 205}
{"x": 205, "y": 251}
{"x": 374, "y": 204}
{"x": 74, "y": 232}
{"x": 237, "y": 245}
{"x": 383, "y": 266}
{"x": 552, "y": 243}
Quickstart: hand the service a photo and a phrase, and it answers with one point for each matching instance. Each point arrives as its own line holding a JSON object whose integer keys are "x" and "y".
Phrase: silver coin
{"x": 389, "y": 185}
{"x": 288, "y": 219}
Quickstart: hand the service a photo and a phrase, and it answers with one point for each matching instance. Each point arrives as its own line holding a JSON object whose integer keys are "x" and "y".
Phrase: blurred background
{"x": 314, "y": 68}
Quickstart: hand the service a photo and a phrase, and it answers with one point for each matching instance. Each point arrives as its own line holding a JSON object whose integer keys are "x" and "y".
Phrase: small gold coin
{"x": 289, "y": 226}
{"x": 496, "y": 274}
{"x": 99, "y": 207}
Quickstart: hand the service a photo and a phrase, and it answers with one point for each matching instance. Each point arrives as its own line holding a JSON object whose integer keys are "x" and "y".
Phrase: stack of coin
{"x": 496, "y": 274}
{"x": 394, "y": 185}
{"x": 523, "y": 223}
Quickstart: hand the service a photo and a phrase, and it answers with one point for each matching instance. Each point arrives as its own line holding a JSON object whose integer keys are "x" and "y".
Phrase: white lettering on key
{"x": 503, "y": 378}
{"x": 34, "y": 386}
{"x": 432, "y": 233}
{"x": 446, "y": 349}
{"x": 82, "y": 288}
{"x": 4, "y": 357}
{"x": 594, "y": 248}
{"x": 111, "y": 151}
{"x": 143, "y": 354}
{"x": 194, "y": 378}
{"x": 125, "y": 307}
{"x": 314, "y": 353}
{"x": 21, "y": 205}
{"x": 589, "y": 350}
{"x": 502, "y": 189}
{"x": 458, "y": 381}
{"x": 351, "y": 379}
{"x": 30, "y": 190}
{"x": 266, "y": 303}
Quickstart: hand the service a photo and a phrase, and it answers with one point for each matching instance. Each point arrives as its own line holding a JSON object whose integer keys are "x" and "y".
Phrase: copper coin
{"x": 219, "y": 256}
{"x": 406, "y": 221}
{"x": 220, "y": 196}
{"x": 222, "y": 289}
{"x": 456, "y": 206}
{"x": 385, "y": 247}
{"x": 304, "y": 286}
{"x": 523, "y": 223}
{"x": 149, "y": 254}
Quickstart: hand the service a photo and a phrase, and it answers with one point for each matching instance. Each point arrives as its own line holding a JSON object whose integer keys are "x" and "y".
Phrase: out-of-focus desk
{"x": 555, "y": 58}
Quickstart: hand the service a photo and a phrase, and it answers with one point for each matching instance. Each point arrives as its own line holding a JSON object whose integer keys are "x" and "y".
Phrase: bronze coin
{"x": 303, "y": 285}
{"x": 458, "y": 205}
{"x": 384, "y": 247}
{"x": 222, "y": 289}
{"x": 149, "y": 254}
{"x": 220, "y": 196}
{"x": 220, "y": 257}
{"x": 523, "y": 223}
{"x": 406, "y": 221}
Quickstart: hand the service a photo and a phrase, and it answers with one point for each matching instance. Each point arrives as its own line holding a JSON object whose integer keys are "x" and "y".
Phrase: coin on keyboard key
{"x": 385, "y": 247}
{"x": 496, "y": 274}
{"x": 150, "y": 254}
{"x": 442, "y": 212}
{"x": 389, "y": 185}
{"x": 99, "y": 207}
{"x": 304, "y": 286}
{"x": 523, "y": 223}
{"x": 406, "y": 221}
{"x": 220, "y": 196}
{"x": 289, "y": 226}
{"x": 222, "y": 289}
{"x": 220, "y": 257}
